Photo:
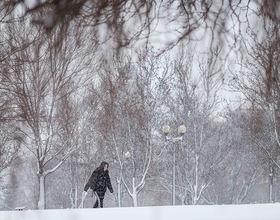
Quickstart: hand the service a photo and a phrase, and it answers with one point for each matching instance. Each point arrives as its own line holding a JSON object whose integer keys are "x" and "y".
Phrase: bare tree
{"x": 259, "y": 83}
{"x": 10, "y": 139}
{"x": 128, "y": 118}
{"x": 205, "y": 145}
{"x": 245, "y": 163}
{"x": 188, "y": 19}
{"x": 37, "y": 77}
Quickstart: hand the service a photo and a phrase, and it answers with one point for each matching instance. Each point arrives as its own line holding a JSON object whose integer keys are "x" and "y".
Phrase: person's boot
{"x": 96, "y": 204}
{"x": 101, "y": 202}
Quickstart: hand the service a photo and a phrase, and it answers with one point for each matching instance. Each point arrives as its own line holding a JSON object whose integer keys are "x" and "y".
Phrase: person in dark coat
{"x": 98, "y": 182}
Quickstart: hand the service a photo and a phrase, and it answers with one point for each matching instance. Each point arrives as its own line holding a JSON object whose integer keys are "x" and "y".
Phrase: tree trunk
{"x": 271, "y": 184}
{"x": 73, "y": 194}
{"x": 119, "y": 192}
{"x": 134, "y": 193}
{"x": 41, "y": 202}
{"x": 134, "y": 197}
{"x": 195, "y": 199}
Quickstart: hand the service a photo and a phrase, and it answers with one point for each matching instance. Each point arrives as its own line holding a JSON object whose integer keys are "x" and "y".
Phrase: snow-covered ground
{"x": 215, "y": 212}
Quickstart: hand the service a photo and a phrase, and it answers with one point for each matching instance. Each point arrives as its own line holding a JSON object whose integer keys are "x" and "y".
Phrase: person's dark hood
{"x": 102, "y": 165}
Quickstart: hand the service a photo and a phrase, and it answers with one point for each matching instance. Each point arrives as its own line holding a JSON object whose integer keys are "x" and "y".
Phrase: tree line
{"x": 67, "y": 103}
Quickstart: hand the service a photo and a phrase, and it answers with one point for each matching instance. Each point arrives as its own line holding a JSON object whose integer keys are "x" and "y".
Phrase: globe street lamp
{"x": 181, "y": 130}
{"x": 127, "y": 155}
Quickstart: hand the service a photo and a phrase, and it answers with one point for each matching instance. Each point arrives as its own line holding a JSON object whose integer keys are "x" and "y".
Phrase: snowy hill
{"x": 217, "y": 212}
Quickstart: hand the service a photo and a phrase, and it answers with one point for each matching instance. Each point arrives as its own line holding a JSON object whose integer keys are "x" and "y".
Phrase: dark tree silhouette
{"x": 128, "y": 21}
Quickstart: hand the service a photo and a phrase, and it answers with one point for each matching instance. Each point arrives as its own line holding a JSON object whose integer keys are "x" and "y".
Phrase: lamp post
{"x": 182, "y": 130}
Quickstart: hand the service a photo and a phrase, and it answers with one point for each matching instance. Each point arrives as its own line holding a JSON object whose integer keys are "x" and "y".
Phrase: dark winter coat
{"x": 99, "y": 180}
